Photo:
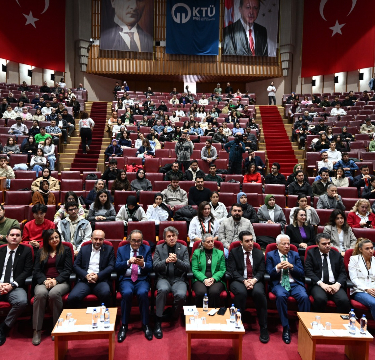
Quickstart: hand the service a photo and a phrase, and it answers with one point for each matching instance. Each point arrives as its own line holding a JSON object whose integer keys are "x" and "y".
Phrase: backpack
{"x": 91, "y": 176}
{"x": 133, "y": 168}
{"x": 186, "y": 213}
{"x": 164, "y": 169}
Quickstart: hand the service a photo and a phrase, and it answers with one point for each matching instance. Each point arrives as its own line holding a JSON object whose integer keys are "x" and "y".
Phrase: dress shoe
{"x": 264, "y": 337}
{"x": 2, "y": 337}
{"x": 286, "y": 335}
{"x": 122, "y": 333}
{"x": 158, "y": 333}
{"x": 37, "y": 337}
{"x": 148, "y": 332}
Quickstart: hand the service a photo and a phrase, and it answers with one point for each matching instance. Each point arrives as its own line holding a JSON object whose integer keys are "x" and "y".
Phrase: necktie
{"x": 134, "y": 273}
{"x": 251, "y": 41}
{"x": 209, "y": 152}
{"x": 325, "y": 270}
{"x": 249, "y": 268}
{"x": 9, "y": 267}
{"x": 285, "y": 283}
{"x": 133, "y": 45}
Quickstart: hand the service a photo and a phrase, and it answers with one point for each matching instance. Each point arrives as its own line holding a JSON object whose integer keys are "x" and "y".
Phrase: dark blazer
{"x": 297, "y": 273}
{"x": 111, "y": 39}
{"x": 182, "y": 265}
{"x": 23, "y": 263}
{"x": 106, "y": 263}
{"x": 236, "y": 266}
{"x": 123, "y": 255}
{"x": 236, "y": 42}
{"x": 295, "y": 235}
{"x": 313, "y": 266}
{"x": 64, "y": 266}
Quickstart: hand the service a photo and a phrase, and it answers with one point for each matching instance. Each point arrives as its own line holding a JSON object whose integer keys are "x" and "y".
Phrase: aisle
{"x": 89, "y": 161}
{"x": 278, "y": 146}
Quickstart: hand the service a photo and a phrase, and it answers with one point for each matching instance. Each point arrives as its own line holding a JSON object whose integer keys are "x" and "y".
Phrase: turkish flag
{"x": 338, "y": 35}
{"x": 33, "y": 33}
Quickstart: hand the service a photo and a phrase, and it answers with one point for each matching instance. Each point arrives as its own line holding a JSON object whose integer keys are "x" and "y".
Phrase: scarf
{"x": 239, "y": 196}
{"x": 267, "y": 199}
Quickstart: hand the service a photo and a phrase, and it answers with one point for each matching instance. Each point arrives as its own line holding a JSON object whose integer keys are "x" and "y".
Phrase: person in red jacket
{"x": 33, "y": 230}
{"x": 361, "y": 216}
{"x": 252, "y": 176}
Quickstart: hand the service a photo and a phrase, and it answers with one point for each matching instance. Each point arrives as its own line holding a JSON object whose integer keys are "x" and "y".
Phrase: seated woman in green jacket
{"x": 208, "y": 265}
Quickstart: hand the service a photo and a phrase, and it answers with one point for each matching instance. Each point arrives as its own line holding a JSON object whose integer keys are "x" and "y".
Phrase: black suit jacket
{"x": 313, "y": 266}
{"x": 236, "y": 265}
{"x": 106, "y": 263}
{"x": 296, "y": 238}
{"x": 111, "y": 39}
{"x": 236, "y": 42}
{"x": 64, "y": 266}
{"x": 23, "y": 263}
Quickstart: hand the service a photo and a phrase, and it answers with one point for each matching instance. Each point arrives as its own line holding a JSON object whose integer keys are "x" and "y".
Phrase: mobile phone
{"x": 368, "y": 223}
{"x": 222, "y": 311}
{"x": 344, "y": 317}
{"x": 139, "y": 257}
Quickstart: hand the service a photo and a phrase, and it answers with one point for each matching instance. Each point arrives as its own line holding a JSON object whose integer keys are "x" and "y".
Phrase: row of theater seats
{"x": 226, "y": 296}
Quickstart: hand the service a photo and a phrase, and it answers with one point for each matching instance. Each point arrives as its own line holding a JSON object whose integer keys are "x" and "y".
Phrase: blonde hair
{"x": 359, "y": 202}
{"x": 359, "y": 244}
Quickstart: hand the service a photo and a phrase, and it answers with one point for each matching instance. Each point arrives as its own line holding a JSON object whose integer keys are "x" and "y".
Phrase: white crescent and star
{"x": 30, "y": 19}
{"x": 337, "y": 28}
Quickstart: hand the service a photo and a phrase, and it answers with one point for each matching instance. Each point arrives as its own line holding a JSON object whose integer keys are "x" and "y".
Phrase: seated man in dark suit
{"x": 287, "y": 279}
{"x": 93, "y": 267}
{"x": 246, "y": 267}
{"x": 245, "y": 37}
{"x": 133, "y": 264}
{"x": 257, "y": 160}
{"x": 171, "y": 264}
{"x": 16, "y": 264}
{"x": 325, "y": 268}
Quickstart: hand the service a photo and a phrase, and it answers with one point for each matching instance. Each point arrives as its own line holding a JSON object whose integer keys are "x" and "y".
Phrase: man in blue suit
{"x": 93, "y": 267}
{"x": 133, "y": 264}
{"x": 287, "y": 279}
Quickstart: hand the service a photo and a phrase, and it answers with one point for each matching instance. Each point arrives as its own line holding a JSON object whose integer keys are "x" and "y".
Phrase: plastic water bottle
{"x": 363, "y": 323}
{"x": 95, "y": 318}
{"x": 238, "y": 319}
{"x": 352, "y": 328}
{"x": 102, "y": 311}
{"x": 351, "y": 313}
{"x": 205, "y": 302}
{"x": 107, "y": 323}
{"x": 232, "y": 312}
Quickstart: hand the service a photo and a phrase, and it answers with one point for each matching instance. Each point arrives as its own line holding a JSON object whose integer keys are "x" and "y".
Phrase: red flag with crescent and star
{"x": 338, "y": 35}
{"x": 33, "y": 33}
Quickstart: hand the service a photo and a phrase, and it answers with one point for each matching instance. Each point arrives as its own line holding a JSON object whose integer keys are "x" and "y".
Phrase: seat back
{"x": 147, "y": 228}
{"x": 235, "y": 244}
{"x": 113, "y": 228}
{"x": 72, "y": 185}
{"x": 275, "y": 189}
{"x": 18, "y": 197}
{"x": 121, "y": 196}
{"x": 181, "y": 226}
{"x": 230, "y": 187}
{"x": 272, "y": 230}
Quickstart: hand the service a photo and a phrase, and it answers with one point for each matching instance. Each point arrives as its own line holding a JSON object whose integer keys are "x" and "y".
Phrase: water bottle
{"x": 352, "y": 328}
{"x": 238, "y": 319}
{"x": 107, "y": 323}
{"x": 232, "y": 312}
{"x": 102, "y": 311}
{"x": 205, "y": 302}
{"x": 351, "y": 313}
{"x": 363, "y": 323}
{"x": 95, "y": 317}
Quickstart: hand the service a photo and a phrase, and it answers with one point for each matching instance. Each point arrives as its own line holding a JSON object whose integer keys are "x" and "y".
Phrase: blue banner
{"x": 193, "y": 27}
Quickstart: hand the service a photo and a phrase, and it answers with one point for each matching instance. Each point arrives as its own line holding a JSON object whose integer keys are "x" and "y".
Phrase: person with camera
{"x": 184, "y": 149}
{"x": 235, "y": 148}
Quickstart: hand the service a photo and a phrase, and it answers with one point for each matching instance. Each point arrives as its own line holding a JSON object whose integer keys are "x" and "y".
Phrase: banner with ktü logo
{"x": 193, "y": 27}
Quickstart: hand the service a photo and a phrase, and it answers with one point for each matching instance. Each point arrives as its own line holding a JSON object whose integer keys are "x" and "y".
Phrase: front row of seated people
{"x": 246, "y": 267}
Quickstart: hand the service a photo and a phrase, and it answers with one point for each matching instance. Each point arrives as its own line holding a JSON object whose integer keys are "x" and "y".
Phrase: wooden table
{"x": 356, "y": 348}
{"x": 61, "y": 339}
{"x": 235, "y": 336}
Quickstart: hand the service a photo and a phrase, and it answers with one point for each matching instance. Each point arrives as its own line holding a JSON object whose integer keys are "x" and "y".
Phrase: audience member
{"x": 252, "y": 175}
{"x": 140, "y": 183}
{"x": 54, "y": 184}
{"x": 86, "y": 125}
{"x": 361, "y": 216}
{"x": 287, "y": 279}
{"x": 363, "y": 179}
{"x": 43, "y": 195}
{"x": 367, "y": 128}
{"x": 333, "y": 155}
{"x": 319, "y": 187}
{"x": 111, "y": 172}
{"x": 131, "y": 211}
{"x": 121, "y": 183}
{"x": 6, "y": 171}
{"x": 174, "y": 172}
{"x": 99, "y": 185}
{"x": 235, "y": 148}
{"x": 209, "y": 152}
{"x": 193, "y": 172}
{"x": 301, "y": 235}
{"x": 62, "y": 213}
{"x": 158, "y": 211}
{"x": 331, "y": 199}
{"x": 198, "y": 193}
{"x": 218, "y": 209}
{"x": 274, "y": 177}
{"x": 254, "y": 159}
{"x": 300, "y": 186}
{"x": 271, "y": 213}
{"x": 173, "y": 195}
{"x": 101, "y": 209}
{"x": 212, "y": 176}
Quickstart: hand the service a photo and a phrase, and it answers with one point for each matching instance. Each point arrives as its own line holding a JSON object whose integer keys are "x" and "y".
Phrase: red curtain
{"x": 33, "y": 33}
{"x": 338, "y": 35}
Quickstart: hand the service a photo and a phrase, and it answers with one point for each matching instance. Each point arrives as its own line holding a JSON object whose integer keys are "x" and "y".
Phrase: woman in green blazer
{"x": 208, "y": 265}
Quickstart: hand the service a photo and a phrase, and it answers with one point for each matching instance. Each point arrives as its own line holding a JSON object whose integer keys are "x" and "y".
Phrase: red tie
{"x": 249, "y": 268}
{"x": 251, "y": 40}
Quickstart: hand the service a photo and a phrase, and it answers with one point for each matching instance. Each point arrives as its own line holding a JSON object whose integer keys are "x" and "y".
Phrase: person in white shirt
{"x": 179, "y": 112}
{"x": 127, "y": 101}
{"x": 18, "y": 128}
{"x": 47, "y": 109}
{"x": 203, "y": 100}
{"x": 174, "y": 100}
{"x": 333, "y": 154}
{"x": 337, "y": 111}
{"x": 9, "y": 113}
{"x": 158, "y": 211}
{"x": 203, "y": 223}
{"x": 325, "y": 162}
{"x": 271, "y": 94}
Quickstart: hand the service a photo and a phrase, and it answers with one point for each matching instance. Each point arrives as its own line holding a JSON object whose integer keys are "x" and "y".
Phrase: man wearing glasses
{"x": 93, "y": 267}
{"x": 73, "y": 229}
{"x": 133, "y": 264}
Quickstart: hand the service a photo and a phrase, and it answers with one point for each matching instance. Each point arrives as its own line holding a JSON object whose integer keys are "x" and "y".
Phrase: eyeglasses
{"x": 136, "y": 241}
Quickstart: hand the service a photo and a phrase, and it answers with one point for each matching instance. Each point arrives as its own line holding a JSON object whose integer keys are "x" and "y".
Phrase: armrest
{"x": 72, "y": 277}
{"x": 152, "y": 275}
{"x": 113, "y": 276}
{"x": 29, "y": 280}
{"x": 228, "y": 276}
{"x": 349, "y": 284}
{"x": 189, "y": 275}
{"x": 266, "y": 278}
{"x": 308, "y": 281}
